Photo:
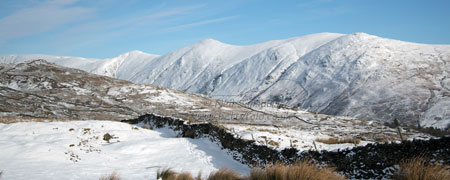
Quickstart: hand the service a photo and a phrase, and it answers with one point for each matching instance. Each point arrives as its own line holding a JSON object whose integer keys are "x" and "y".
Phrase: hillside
{"x": 357, "y": 75}
{"x": 41, "y": 91}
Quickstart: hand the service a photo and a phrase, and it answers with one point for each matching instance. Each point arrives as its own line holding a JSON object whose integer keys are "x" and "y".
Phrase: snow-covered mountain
{"x": 357, "y": 75}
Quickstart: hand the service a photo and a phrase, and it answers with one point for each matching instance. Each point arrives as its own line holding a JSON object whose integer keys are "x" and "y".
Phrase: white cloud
{"x": 44, "y": 17}
{"x": 184, "y": 26}
{"x": 132, "y": 20}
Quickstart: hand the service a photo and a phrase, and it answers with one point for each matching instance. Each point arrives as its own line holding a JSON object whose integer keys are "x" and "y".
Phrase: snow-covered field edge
{"x": 90, "y": 149}
{"x": 375, "y": 160}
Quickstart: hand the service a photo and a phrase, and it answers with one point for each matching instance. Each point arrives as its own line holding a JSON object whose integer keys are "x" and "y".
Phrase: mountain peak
{"x": 360, "y": 34}
{"x": 210, "y": 42}
{"x": 135, "y": 53}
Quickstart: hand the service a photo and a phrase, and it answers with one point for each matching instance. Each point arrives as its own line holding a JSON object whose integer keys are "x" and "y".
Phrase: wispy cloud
{"x": 65, "y": 26}
{"x": 313, "y": 3}
{"x": 199, "y": 23}
{"x": 44, "y": 17}
{"x": 151, "y": 18}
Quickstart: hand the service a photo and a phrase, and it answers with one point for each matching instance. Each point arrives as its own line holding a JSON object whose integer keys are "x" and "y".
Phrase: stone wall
{"x": 371, "y": 161}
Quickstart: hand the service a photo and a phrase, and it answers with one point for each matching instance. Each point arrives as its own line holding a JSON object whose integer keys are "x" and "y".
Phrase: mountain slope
{"x": 356, "y": 75}
{"x": 40, "y": 89}
{"x": 370, "y": 78}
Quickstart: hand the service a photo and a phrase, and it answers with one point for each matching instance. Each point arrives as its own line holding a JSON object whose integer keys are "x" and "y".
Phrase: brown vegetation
{"x": 339, "y": 140}
{"x": 273, "y": 143}
{"x": 224, "y": 174}
{"x": 10, "y": 119}
{"x": 112, "y": 176}
{"x": 190, "y": 120}
{"x": 419, "y": 168}
{"x": 165, "y": 174}
{"x": 169, "y": 174}
{"x": 148, "y": 127}
{"x": 301, "y": 170}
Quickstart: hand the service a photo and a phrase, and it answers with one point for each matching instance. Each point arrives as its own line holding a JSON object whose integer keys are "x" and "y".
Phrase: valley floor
{"x": 77, "y": 150}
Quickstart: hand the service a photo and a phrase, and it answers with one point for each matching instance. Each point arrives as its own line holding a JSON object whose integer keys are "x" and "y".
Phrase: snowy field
{"x": 77, "y": 150}
{"x": 280, "y": 138}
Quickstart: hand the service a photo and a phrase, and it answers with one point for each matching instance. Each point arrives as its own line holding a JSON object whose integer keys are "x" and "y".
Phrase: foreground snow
{"x": 76, "y": 150}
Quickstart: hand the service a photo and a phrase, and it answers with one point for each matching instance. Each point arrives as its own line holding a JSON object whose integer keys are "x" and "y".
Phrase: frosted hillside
{"x": 358, "y": 75}
{"x": 371, "y": 78}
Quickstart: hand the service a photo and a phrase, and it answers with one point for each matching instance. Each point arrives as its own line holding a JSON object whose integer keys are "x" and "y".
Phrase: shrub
{"x": 339, "y": 140}
{"x": 299, "y": 171}
{"x": 112, "y": 176}
{"x": 419, "y": 168}
{"x": 224, "y": 174}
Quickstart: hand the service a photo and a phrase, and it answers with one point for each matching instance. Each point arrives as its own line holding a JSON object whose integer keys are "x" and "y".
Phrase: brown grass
{"x": 184, "y": 176}
{"x": 224, "y": 174}
{"x": 147, "y": 127}
{"x": 339, "y": 140}
{"x": 190, "y": 120}
{"x": 273, "y": 143}
{"x": 168, "y": 174}
{"x": 11, "y": 119}
{"x": 112, "y": 176}
{"x": 269, "y": 131}
{"x": 419, "y": 168}
{"x": 300, "y": 170}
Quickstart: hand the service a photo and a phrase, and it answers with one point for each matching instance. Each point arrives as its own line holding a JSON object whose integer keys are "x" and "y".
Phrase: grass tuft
{"x": 301, "y": 170}
{"x": 112, "y": 176}
{"x": 419, "y": 168}
{"x": 224, "y": 174}
{"x": 184, "y": 176}
{"x": 166, "y": 174}
{"x": 150, "y": 127}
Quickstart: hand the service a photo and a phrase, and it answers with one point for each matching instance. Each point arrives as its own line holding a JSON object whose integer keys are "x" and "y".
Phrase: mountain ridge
{"x": 358, "y": 75}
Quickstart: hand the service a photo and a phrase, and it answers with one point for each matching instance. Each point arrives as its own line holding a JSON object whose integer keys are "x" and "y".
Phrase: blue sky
{"x": 107, "y": 28}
